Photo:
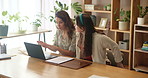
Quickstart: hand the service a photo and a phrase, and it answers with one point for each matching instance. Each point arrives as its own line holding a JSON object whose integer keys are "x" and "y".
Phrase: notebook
{"x": 36, "y": 51}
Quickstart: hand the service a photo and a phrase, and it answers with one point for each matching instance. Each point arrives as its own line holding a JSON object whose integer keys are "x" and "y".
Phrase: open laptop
{"x": 35, "y": 50}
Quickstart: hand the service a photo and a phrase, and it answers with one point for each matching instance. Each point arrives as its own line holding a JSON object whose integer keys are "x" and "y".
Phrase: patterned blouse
{"x": 65, "y": 43}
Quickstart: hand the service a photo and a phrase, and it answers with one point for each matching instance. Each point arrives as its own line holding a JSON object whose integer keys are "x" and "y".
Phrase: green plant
{"x": 6, "y": 17}
{"x": 77, "y": 7}
{"x": 124, "y": 15}
{"x": 105, "y": 7}
{"x": 18, "y": 18}
{"x": 38, "y": 21}
{"x": 142, "y": 11}
{"x": 109, "y": 5}
{"x": 57, "y": 8}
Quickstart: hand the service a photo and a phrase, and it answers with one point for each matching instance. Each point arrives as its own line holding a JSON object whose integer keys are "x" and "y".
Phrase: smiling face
{"x": 60, "y": 23}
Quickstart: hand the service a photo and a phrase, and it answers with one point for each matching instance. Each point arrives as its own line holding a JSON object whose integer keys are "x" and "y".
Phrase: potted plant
{"x": 38, "y": 21}
{"x": 77, "y": 9}
{"x": 142, "y": 12}
{"x": 6, "y": 18}
{"x": 108, "y": 7}
{"x": 59, "y": 7}
{"x": 20, "y": 19}
{"x": 105, "y": 7}
{"x": 123, "y": 19}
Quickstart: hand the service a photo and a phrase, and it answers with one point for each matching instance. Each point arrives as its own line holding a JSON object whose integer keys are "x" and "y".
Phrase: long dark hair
{"x": 85, "y": 21}
{"x": 67, "y": 22}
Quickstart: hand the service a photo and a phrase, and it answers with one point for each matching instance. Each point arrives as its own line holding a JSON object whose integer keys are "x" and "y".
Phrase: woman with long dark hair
{"x": 65, "y": 38}
{"x": 91, "y": 45}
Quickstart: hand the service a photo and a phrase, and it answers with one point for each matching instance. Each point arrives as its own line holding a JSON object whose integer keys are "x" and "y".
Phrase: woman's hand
{"x": 42, "y": 44}
{"x": 51, "y": 47}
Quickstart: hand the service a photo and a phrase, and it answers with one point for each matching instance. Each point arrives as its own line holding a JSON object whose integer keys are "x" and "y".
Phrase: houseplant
{"x": 59, "y": 6}
{"x": 76, "y": 7}
{"x": 107, "y": 7}
{"x": 20, "y": 20}
{"x": 123, "y": 20}
{"x": 142, "y": 12}
{"x": 38, "y": 21}
{"x": 6, "y": 18}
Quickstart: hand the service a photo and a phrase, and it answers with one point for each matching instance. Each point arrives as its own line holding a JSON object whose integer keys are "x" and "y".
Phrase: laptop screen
{"x": 34, "y": 50}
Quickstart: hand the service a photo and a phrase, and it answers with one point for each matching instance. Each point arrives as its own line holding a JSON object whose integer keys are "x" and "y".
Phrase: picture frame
{"x": 103, "y": 23}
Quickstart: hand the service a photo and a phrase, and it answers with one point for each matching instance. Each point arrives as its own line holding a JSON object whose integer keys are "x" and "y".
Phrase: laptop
{"x": 36, "y": 51}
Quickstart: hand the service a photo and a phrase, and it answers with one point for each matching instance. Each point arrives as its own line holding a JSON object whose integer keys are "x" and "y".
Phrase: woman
{"x": 90, "y": 44}
{"x": 65, "y": 38}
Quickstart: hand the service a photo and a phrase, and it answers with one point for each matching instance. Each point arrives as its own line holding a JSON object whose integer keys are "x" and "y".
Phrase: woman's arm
{"x": 113, "y": 46}
{"x": 55, "y": 48}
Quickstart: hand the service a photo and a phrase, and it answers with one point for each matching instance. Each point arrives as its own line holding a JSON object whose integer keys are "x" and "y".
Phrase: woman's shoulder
{"x": 99, "y": 35}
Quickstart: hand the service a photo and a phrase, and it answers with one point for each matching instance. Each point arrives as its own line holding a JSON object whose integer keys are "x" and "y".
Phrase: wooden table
{"x": 22, "y": 66}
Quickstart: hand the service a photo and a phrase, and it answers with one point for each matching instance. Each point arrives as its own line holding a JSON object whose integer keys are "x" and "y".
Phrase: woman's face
{"x": 78, "y": 29}
{"x": 60, "y": 23}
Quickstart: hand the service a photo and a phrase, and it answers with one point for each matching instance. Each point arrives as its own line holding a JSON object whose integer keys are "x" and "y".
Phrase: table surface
{"x": 22, "y": 66}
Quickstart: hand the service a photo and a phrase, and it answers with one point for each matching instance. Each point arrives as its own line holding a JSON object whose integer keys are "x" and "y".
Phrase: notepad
{"x": 5, "y": 56}
{"x": 59, "y": 60}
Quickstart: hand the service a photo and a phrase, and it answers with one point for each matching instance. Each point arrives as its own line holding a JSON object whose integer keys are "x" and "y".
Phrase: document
{"x": 95, "y": 76}
{"x": 59, "y": 60}
{"x": 5, "y": 56}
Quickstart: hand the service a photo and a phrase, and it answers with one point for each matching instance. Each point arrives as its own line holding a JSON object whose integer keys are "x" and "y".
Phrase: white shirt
{"x": 99, "y": 46}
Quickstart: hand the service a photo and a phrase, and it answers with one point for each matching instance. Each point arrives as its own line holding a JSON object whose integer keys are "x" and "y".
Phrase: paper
{"x": 59, "y": 60}
{"x": 95, "y": 76}
{"x": 5, "y": 56}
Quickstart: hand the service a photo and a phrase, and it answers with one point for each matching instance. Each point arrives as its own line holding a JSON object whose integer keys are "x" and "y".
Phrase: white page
{"x": 96, "y": 76}
{"x": 59, "y": 60}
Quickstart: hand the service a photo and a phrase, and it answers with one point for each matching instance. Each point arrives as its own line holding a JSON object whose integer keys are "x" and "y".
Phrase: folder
{"x": 69, "y": 62}
{"x": 76, "y": 64}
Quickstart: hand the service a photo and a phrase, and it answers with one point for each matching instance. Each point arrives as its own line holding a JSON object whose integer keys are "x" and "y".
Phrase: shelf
{"x": 10, "y": 35}
{"x": 120, "y": 31}
{"x": 99, "y": 11}
{"x": 145, "y": 25}
{"x": 142, "y": 68}
{"x": 98, "y": 28}
{"x": 124, "y": 50}
{"x": 141, "y": 31}
{"x": 139, "y": 50}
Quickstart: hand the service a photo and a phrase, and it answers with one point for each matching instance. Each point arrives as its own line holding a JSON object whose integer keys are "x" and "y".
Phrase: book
{"x": 5, "y": 56}
{"x": 59, "y": 60}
